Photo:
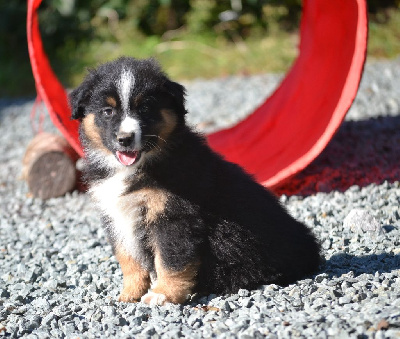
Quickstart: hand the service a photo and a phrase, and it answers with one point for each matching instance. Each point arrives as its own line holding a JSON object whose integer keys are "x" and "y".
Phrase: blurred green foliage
{"x": 101, "y": 19}
{"x": 77, "y": 33}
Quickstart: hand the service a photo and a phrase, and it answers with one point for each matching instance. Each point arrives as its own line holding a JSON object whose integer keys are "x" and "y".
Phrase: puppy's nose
{"x": 125, "y": 139}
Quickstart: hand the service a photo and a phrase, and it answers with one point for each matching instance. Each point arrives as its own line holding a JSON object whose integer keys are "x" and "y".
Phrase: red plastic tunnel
{"x": 293, "y": 126}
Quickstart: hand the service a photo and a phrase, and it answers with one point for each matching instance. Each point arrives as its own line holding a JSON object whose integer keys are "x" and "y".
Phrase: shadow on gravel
{"x": 361, "y": 153}
{"x": 344, "y": 263}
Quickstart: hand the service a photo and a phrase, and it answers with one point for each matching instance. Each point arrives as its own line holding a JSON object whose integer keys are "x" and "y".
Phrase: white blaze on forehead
{"x": 125, "y": 85}
{"x": 131, "y": 125}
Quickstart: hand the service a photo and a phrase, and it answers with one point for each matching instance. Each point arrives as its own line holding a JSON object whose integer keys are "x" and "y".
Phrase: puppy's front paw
{"x": 127, "y": 298}
{"x": 154, "y": 299}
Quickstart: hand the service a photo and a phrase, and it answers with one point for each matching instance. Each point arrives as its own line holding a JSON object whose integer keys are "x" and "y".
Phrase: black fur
{"x": 215, "y": 213}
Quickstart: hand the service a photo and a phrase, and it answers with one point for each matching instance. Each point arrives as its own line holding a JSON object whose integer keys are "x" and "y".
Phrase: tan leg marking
{"x": 136, "y": 278}
{"x": 172, "y": 286}
{"x": 92, "y": 132}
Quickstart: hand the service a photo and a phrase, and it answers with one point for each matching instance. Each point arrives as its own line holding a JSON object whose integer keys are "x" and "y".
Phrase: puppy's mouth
{"x": 128, "y": 158}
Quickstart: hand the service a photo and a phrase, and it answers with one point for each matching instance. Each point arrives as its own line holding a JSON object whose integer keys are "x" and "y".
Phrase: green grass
{"x": 185, "y": 56}
{"x": 384, "y": 38}
{"x": 192, "y": 56}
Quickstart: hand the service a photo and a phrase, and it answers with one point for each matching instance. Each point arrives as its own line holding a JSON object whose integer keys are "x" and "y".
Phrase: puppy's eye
{"x": 108, "y": 112}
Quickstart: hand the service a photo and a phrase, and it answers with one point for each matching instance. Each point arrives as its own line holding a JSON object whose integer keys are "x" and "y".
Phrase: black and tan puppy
{"x": 172, "y": 208}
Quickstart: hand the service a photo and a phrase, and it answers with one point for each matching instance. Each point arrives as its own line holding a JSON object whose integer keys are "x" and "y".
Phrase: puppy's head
{"x": 128, "y": 110}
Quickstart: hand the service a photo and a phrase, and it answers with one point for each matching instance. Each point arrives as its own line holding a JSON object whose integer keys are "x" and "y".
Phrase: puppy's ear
{"x": 178, "y": 92}
{"x": 80, "y": 96}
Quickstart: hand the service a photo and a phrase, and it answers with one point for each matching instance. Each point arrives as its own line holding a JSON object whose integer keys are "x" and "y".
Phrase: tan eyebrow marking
{"x": 111, "y": 101}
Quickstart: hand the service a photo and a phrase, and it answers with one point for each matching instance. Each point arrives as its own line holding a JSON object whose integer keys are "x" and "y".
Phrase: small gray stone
{"x": 82, "y": 326}
{"x": 320, "y": 277}
{"x": 149, "y": 330}
{"x": 51, "y": 284}
{"x": 243, "y": 293}
{"x": 344, "y": 300}
{"x": 49, "y": 318}
{"x": 109, "y": 311}
{"x": 4, "y": 293}
{"x": 246, "y": 302}
{"x": 360, "y": 221}
{"x": 224, "y": 306}
{"x": 135, "y": 321}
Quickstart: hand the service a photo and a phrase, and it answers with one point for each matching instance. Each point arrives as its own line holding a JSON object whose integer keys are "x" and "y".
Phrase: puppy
{"x": 173, "y": 209}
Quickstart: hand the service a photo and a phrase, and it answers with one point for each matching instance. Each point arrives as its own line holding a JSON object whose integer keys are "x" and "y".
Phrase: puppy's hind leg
{"x": 172, "y": 286}
{"x": 136, "y": 278}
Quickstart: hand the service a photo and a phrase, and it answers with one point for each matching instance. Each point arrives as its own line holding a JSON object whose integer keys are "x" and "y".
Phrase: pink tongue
{"x": 127, "y": 158}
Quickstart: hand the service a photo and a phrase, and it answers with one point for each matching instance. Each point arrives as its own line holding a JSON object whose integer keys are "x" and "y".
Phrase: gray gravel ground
{"x": 59, "y": 279}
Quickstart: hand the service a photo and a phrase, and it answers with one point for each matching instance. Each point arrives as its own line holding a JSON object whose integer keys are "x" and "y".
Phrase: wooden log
{"x": 49, "y": 166}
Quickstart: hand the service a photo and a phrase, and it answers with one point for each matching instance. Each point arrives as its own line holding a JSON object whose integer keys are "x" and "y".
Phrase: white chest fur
{"x": 123, "y": 210}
